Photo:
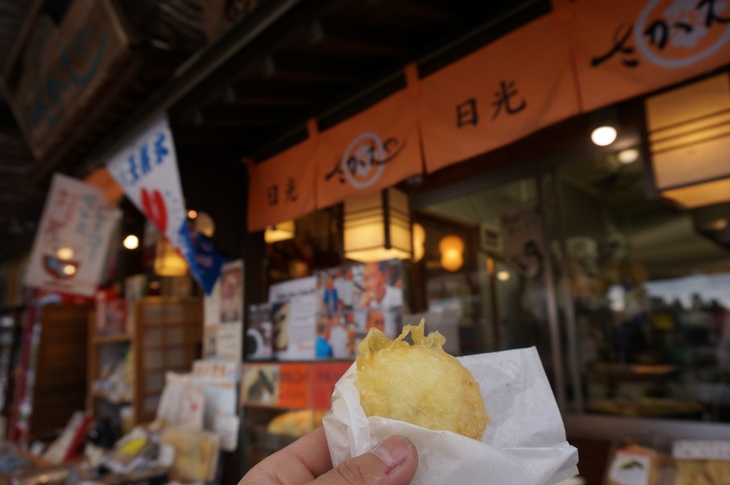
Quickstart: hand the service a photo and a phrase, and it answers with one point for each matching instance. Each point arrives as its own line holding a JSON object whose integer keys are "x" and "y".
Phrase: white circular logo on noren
{"x": 363, "y": 160}
{"x": 694, "y": 42}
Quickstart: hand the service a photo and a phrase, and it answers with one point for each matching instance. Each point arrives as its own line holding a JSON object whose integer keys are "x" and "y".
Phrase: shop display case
{"x": 53, "y": 369}
{"x": 127, "y": 370}
{"x": 283, "y": 401}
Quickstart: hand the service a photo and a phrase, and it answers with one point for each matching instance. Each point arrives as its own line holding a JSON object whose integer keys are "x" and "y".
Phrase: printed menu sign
{"x": 70, "y": 247}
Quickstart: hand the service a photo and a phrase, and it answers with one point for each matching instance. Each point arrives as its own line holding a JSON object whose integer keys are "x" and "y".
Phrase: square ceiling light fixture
{"x": 689, "y": 141}
{"x": 280, "y": 232}
{"x": 377, "y": 227}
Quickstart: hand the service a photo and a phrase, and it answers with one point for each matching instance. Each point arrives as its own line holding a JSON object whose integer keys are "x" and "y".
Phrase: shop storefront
{"x": 563, "y": 186}
{"x": 606, "y": 255}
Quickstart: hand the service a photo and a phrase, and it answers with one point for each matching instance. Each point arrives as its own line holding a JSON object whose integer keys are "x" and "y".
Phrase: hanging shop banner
{"x": 624, "y": 48}
{"x": 101, "y": 178}
{"x": 71, "y": 244}
{"x": 282, "y": 187}
{"x": 371, "y": 151}
{"x": 147, "y": 171}
{"x": 497, "y": 95}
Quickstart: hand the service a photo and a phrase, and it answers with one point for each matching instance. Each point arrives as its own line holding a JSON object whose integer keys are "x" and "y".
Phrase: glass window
{"x": 649, "y": 286}
{"x": 485, "y": 264}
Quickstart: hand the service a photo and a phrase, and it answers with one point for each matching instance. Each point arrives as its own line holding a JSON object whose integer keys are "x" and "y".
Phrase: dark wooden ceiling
{"x": 325, "y": 59}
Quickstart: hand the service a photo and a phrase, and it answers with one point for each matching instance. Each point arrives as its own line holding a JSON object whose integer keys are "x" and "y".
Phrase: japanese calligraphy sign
{"x": 282, "y": 187}
{"x": 624, "y": 48}
{"x": 71, "y": 244}
{"x": 62, "y": 68}
{"x": 499, "y": 94}
{"x": 372, "y": 150}
{"x": 147, "y": 171}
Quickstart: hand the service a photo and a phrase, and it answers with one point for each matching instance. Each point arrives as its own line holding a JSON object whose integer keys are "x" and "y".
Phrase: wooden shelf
{"x": 104, "y": 397}
{"x": 110, "y": 339}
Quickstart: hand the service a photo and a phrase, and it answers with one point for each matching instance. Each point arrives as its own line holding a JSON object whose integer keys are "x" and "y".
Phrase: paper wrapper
{"x": 524, "y": 442}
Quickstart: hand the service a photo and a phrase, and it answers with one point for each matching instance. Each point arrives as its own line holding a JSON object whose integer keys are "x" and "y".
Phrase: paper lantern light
{"x": 377, "y": 227}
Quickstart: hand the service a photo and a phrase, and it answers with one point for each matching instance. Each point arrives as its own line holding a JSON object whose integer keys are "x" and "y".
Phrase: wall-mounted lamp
{"x": 167, "y": 260}
{"x": 452, "y": 252}
{"x": 280, "y": 232}
{"x": 377, "y": 227}
{"x": 419, "y": 241}
{"x": 628, "y": 156}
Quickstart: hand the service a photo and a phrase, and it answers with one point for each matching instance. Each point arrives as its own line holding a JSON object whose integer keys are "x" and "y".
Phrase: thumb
{"x": 392, "y": 462}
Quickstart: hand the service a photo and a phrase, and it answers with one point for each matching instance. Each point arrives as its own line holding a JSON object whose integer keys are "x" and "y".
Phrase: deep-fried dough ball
{"x": 420, "y": 384}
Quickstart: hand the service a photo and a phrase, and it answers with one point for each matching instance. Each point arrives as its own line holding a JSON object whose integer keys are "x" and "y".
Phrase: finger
{"x": 300, "y": 462}
{"x": 392, "y": 462}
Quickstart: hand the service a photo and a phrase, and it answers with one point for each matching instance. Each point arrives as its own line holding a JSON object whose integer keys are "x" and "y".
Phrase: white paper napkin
{"x": 524, "y": 443}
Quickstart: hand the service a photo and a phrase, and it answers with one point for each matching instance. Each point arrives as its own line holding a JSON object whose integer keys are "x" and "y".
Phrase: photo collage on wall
{"x": 326, "y": 316}
{"x": 352, "y": 300}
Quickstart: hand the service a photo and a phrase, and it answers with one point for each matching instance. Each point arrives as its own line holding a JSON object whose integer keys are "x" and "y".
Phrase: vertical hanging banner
{"x": 373, "y": 150}
{"x": 147, "y": 171}
{"x": 281, "y": 188}
{"x": 510, "y": 88}
{"x": 71, "y": 244}
{"x": 624, "y": 48}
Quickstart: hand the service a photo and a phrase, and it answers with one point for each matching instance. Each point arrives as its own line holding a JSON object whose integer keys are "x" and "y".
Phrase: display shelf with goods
{"x": 53, "y": 369}
{"x": 10, "y": 335}
{"x": 127, "y": 371}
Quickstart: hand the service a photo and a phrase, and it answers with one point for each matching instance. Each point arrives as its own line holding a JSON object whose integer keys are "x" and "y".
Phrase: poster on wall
{"x": 522, "y": 230}
{"x": 293, "y": 317}
{"x": 353, "y": 299}
{"x": 229, "y": 335}
{"x": 211, "y": 319}
{"x": 218, "y": 381}
{"x": 259, "y": 340}
{"x": 70, "y": 246}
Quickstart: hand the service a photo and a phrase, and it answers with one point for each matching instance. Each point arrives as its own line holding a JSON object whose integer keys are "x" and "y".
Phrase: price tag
{"x": 630, "y": 469}
{"x": 701, "y": 450}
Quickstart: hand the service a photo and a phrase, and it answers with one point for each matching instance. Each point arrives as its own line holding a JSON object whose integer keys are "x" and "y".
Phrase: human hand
{"x": 307, "y": 461}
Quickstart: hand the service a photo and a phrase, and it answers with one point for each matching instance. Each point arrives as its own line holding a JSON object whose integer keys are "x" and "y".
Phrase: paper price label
{"x": 630, "y": 469}
{"x": 701, "y": 450}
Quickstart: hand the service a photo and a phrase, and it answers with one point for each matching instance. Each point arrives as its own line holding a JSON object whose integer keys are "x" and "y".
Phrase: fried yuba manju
{"x": 420, "y": 384}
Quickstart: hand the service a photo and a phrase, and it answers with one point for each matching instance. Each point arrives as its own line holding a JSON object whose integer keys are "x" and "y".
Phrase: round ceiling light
{"x": 131, "y": 242}
{"x": 628, "y": 156}
{"x": 604, "y": 135}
